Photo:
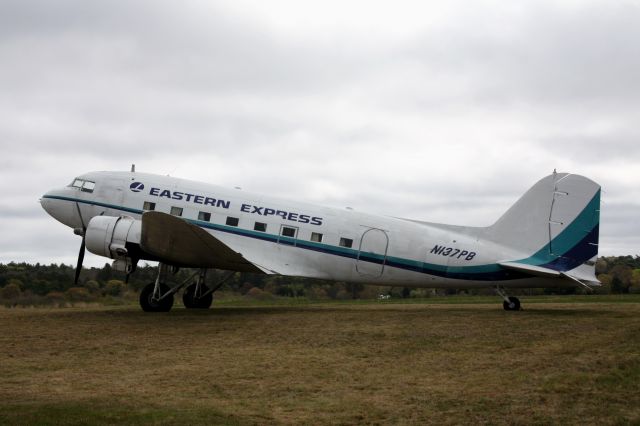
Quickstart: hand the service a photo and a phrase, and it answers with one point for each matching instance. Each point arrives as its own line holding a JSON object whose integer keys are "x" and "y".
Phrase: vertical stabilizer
{"x": 554, "y": 225}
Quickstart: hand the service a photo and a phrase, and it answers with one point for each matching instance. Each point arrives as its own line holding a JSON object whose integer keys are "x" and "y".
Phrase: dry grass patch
{"x": 376, "y": 364}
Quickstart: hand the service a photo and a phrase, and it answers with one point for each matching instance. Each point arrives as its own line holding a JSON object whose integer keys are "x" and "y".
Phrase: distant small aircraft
{"x": 548, "y": 238}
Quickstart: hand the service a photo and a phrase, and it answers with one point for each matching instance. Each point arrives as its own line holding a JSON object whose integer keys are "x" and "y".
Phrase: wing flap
{"x": 177, "y": 242}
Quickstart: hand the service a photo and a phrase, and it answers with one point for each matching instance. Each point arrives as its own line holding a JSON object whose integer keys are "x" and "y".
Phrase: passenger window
{"x": 148, "y": 206}
{"x": 204, "y": 216}
{"x": 259, "y": 226}
{"x": 288, "y": 232}
{"x": 346, "y": 242}
{"x": 316, "y": 237}
{"x": 232, "y": 221}
{"x": 176, "y": 211}
{"x": 88, "y": 186}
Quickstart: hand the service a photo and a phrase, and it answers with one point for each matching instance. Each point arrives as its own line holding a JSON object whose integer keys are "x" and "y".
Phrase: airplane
{"x": 547, "y": 239}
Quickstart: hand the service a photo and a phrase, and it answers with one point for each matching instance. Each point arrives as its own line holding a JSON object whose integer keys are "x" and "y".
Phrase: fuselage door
{"x": 372, "y": 253}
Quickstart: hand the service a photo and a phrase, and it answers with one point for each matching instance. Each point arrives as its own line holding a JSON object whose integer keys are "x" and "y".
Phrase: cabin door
{"x": 372, "y": 253}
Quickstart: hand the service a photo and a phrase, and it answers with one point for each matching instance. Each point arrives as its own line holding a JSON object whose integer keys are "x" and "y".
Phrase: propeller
{"x": 81, "y": 253}
{"x": 80, "y": 259}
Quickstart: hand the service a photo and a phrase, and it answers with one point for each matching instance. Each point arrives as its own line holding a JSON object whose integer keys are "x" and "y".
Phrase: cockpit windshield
{"x": 83, "y": 185}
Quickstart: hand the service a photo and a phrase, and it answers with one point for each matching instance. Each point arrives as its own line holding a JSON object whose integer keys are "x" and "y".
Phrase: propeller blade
{"x": 80, "y": 260}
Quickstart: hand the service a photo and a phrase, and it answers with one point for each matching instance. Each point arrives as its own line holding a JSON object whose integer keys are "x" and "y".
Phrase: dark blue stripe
{"x": 586, "y": 249}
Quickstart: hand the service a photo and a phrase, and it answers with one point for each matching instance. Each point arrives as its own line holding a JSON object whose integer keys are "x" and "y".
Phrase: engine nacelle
{"x": 108, "y": 236}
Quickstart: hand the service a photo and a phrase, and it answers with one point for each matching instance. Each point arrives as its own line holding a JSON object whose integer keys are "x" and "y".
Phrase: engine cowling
{"x": 108, "y": 236}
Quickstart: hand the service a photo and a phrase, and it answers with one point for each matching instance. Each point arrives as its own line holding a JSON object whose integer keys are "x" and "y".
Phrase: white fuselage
{"x": 300, "y": 239}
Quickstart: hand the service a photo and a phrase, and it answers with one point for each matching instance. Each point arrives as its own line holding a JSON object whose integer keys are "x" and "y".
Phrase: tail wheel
{"x": 512, "y": 305}
{"x": 149, "y": 304}
{"x": 192, "y": 301}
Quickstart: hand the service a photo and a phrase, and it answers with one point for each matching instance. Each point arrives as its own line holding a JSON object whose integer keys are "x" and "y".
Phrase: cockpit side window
{"x": 88, "y": 186}
{"x": 77, "y": 183}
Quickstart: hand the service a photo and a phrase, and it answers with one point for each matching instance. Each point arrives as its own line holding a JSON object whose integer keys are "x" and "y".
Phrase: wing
{"x": 175, "y": 241}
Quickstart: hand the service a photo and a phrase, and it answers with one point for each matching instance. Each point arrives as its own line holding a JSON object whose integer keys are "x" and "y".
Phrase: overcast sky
{"x": 440, "y": 111}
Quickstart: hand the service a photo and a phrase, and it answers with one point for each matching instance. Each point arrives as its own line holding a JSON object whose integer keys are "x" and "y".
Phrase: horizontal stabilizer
{"x": 538, "y": 271}
{"x": 581, "y": 277}
{"x": 584, "y": 275}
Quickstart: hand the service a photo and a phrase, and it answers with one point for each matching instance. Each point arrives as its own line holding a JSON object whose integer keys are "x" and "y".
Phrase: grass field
{"x": 561, "y": 360}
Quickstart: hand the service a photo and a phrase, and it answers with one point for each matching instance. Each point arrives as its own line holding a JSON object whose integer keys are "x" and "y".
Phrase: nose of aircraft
{"x": 61, "y": 208}
{"x": 47, "y": 203}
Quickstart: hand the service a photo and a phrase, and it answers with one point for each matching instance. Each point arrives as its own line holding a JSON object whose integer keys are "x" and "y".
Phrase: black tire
{"x": 149, "y": 305}
{"x": 512, "y": 305}
{"x": 192, "y": 302}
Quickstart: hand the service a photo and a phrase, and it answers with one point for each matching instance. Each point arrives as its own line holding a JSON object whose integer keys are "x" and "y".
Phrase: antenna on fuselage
{"x": 133, "y": 168}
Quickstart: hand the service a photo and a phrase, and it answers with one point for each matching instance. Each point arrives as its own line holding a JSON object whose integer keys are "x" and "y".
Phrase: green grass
{"x": 564, "y": 359}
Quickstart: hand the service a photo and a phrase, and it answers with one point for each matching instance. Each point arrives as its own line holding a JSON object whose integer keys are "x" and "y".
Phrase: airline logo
{"x": 136, "y": 186}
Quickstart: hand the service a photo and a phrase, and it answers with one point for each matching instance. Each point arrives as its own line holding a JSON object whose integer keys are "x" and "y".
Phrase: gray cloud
{"x": 550, "y": 53}
{"x": 452, "y": 120}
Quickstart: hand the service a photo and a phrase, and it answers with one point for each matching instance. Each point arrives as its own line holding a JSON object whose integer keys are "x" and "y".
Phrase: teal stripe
{"x": 94, "y": 203}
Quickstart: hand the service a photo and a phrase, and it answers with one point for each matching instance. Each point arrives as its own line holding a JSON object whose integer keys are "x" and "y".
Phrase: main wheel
{"x": 147, "y": 302}
{"x": 512, "y": 305}
{"x": 192, "y": 302}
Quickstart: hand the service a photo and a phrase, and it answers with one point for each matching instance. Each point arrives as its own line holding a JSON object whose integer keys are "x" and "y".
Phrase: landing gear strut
{"x": 511, "y": 303}
{"x": 198, "y": 295}
{"x": 158, "y": 296}
{"x": 150, "y": 302}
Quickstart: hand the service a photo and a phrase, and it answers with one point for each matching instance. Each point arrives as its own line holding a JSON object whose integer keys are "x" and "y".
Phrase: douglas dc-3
{"x": 548, "y": 238}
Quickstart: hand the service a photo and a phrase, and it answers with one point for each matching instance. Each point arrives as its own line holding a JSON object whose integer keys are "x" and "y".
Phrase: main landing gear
{"x": 158, "y": 296}
{"x": 511, "y": 303}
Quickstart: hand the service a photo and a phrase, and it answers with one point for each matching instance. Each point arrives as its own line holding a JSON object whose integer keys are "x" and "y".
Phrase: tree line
{"x": 25, "y": 284}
